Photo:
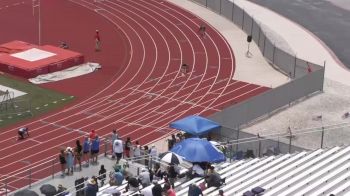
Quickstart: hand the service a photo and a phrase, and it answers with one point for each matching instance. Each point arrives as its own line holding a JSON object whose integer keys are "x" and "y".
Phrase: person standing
{"x": 202, "y": 31}
{"x": 97, "y": 41}
{"x": 78, "y": 151}
{"x": 86, "y": 150}
{"x": 127, "y": 147}
{"x": 102, "y": 175}
{"x": 118, "y": 149}
{"x": 63, "y": 162}
{"x": 70, "y": 160}
{"x": 114, "y": 136}
{"x": 137, "y": 152}
{"x": 95, "y": 149}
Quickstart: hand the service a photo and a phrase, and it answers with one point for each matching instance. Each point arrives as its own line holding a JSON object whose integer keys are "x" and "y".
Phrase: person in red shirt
{"x": 92, "y": 135}
{"x": 97, "y": 41}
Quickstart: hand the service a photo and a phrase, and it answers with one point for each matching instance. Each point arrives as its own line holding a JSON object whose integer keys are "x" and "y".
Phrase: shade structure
{"x": 26, "y": 192}
{"x": 172, "y": 158}
{"x": 195, "y": 125}
{"x": 48, "y": 190}
{"x": 198, "y": 150}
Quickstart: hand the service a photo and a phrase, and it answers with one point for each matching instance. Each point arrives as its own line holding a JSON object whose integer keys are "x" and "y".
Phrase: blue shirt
{"x": 86, "y": 146}
{"x": 95, "y": 145}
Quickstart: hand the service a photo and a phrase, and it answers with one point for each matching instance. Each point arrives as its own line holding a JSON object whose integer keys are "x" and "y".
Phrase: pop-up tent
{"x": 195, "y": 125}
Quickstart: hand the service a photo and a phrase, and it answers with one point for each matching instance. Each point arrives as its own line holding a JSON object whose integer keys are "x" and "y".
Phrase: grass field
{"x": 36, "y": 102}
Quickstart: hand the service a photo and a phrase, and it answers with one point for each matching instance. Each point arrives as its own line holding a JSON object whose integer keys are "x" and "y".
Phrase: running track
{"x": 146, "y": 96}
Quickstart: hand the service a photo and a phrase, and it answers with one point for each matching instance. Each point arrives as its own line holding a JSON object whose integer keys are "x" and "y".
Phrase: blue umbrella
{"x": 198, "y": 150}
{"x": 195, "y": 125}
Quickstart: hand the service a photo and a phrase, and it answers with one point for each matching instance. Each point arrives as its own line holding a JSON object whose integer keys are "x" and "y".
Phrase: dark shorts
{"x": 94, "y": 151}
{"x": 86, "y": 152}
{"x": 119, "y": 155}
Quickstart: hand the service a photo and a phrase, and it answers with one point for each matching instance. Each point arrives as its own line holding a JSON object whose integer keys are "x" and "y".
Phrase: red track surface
{"x": 145, "y": 96}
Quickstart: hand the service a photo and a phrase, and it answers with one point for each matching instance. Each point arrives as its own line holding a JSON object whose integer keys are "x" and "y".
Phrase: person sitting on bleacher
{"x": 133, "y": 184}
{"x": 116, "y": 178}
{"x": 157, "y": 189}
{"x": 197, "y": 170}
{"x": 213, "y": 178}
{"x": 23, "y": 132}
{"x": 91, "y": 188}
{"x": 158, "y": 173}
{"x": 144, "y": 178}
{"x": 168, "y": 190}
{"x": 194, "y": 190}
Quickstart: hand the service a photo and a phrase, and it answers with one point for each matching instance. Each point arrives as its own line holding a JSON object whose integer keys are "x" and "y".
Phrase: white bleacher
{"x": 288, "y": 179}
{"x": 237, "y": 184}
{"x": 321, "y": 175}
{"x": 343, "y": 189}
{"x": 327, "y": 187}
{"x": 251, "y": 183}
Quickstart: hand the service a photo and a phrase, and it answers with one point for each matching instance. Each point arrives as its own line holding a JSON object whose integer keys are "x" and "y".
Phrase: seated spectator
{"x": 168, "y": 190}
{"x": 197, "y": 170}
{"x": 221, "y": 192}
{"x": 102, "y": 174}
{"x": 213, "y": 179}
{"x": 158, "y": 174}
{"x": 23, "y": 132}
{"x": 171, "y": 175}
{"x": 133, "y": 184}
{"x": 61, "y": 190}
{"x": 119, "y": 177}
{"x": 157, "y": 189}
{"x": 144, "y": 178}
{"x": 147, "y": 191}
{"x": 91, "y": 188}
{"x": 194, "y": 190}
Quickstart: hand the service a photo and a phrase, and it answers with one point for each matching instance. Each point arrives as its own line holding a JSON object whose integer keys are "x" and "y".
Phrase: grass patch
{"x": 36, "y": 102}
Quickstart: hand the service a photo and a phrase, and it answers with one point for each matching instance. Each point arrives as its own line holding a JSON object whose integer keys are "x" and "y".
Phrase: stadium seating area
{"x": 319, "y": 172}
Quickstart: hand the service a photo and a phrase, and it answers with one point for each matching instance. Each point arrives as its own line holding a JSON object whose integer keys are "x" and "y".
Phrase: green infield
{"x": 37, "y": 101}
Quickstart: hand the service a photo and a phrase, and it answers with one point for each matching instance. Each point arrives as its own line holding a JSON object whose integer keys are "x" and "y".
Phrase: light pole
{"x": 36, "y": 4}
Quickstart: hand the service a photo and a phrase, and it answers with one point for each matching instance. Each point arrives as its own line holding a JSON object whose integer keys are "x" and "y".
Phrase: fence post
{"x": 295, "y": 65}
{"x": 106, "y": 146}
{"x": 322, "y": 136}
{"x": 53, "y": 169}
{"x": 273, "y": 53}
{"x": 290, "y": 139}
{"x": 264, "y": 45}
{"x": 30, "y": 177}
{"x": 220, "y": 7}
{"x": 206, "y": 3}
{"x": 6, "y": 186}
{"x": 259, "y": 148}
{"x": 233, "y": 9}
{"x": 243, "y": 20}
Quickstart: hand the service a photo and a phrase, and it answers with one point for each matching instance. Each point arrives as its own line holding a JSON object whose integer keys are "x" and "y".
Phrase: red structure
{"x": 28, "y": 60}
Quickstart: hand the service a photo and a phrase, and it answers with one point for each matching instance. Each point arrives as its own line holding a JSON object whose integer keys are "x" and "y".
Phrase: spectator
{"x": 146, "y": 153}
{"x": 78, "y": 151}
{"x": 119, "y": 177}
{"x": 70, "y": 160}
{"x": 171, "y": 174}
{"x": 137, "y": 151}
{"x": 114, "y": 136}
{"x": 221, "y": 192}
{"x": 86, "y": 150}
{"x": 197, "y": 171}
{"x": 194, "y": 190}
{"x": 133, "y": 184}
{"x": 61, "y": 190}
{"x": 95, "y": 149}
{"x": 102, "y": 175}
{"x": 147, "y": 191}
{"x": 171, "y": 142}
{"x": 92, "y": 135}
{"x": 157, "y": 189}
{"x": 127, "y": 147}
{"x": 63, "y": 162}
{"x": 158, "y": 174}
{"x": 118, "y": 149}
{"x": 144, "y": 178}
{"x": 91, "y": 188}
{"x": 168, "y": 190}
{"x": 153, "y": 154}
{"x": 213, "y": 179}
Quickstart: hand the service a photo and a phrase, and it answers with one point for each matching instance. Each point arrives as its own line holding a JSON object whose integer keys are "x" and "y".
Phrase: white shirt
{"x": 147, "y": 191}
{"x": 118, "y": 146}
{"x": 153, "y": 152}
{"x": 198, "y": 170}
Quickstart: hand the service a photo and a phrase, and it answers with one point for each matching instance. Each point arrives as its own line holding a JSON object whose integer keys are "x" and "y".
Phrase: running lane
{"x": 146, "y": 96}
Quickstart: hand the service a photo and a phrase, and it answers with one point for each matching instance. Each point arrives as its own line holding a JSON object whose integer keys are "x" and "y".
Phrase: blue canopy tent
{"x": 198, "y": 150}
{"x": 195, "y": 125}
